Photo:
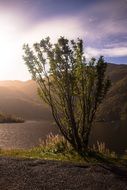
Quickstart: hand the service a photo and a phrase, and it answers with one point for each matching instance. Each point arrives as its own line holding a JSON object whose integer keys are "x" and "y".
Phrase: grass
{"x": 57, "y": 148}
{"x": 37, "y": 152}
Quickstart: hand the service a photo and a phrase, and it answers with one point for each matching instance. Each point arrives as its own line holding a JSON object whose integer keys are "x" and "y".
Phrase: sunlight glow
{"x": 10, "y": 48}
{"x": 7, "y": 42}
{"x": 15, "y": 30}
{"x": 12, "y": 38}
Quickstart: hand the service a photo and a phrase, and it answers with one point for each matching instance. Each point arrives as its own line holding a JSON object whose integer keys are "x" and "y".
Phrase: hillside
{"x": 115, "y": 105}
{"x": 21, "y": 99}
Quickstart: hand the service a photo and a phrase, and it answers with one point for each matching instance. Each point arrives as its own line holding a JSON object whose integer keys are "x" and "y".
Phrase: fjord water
{"x": 28, "y": 134}
{"x": 114, "y": 134}
{"x": 25, "y": 135}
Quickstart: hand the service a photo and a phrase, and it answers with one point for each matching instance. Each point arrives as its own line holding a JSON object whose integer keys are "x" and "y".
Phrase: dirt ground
{"x": 33, "y": 174}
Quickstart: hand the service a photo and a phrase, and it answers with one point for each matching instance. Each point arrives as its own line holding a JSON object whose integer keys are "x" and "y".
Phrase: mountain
{"x": 21, "y": 99}
{"x": 114, "y": 106}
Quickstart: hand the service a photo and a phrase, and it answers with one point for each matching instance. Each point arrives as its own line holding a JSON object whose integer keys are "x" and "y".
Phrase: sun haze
{"x": 102, "y": 26}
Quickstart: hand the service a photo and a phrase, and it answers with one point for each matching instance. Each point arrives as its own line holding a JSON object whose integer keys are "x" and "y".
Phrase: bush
{"x": 55, "y": 144}
{"x": 101, "y": 148}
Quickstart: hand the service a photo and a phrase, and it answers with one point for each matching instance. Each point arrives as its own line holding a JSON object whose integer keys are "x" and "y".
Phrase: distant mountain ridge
{"x": 20, "y": 98}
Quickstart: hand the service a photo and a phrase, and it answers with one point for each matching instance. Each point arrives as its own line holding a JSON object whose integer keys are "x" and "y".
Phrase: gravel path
{"x": 27, "y": 174}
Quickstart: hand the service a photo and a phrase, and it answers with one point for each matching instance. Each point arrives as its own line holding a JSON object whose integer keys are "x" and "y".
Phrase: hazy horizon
{"x": 29, "y": 79}
{"x": 102, "y": 26}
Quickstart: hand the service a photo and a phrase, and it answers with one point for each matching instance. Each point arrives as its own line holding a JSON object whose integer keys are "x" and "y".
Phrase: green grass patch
{"x": 57, "y": 148}
{"x": 40, "y": 153}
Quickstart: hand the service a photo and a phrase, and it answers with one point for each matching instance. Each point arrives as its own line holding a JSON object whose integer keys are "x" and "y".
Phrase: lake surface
{"x": 114, "y": 134}
{"x": 27, "y": 135}
{"x": 24, "y": 135}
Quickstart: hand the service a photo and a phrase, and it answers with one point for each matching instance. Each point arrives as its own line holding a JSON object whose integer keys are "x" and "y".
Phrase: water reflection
{"x": 114, "y": 134}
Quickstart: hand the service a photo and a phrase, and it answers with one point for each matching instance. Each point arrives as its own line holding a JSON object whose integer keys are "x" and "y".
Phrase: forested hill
{"x": 20, "y": 98}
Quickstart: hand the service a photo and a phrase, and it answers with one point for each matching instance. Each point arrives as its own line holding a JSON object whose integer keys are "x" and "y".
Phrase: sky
{"x": 102, "y": 24}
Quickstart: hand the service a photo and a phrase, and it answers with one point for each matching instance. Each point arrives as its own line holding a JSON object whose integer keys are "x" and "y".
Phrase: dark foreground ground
{"x": 26, "y": 174}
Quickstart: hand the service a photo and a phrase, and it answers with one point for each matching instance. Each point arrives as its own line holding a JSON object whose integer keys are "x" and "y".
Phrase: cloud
{"x": 105, "y": 21}
{"x": 96, "y": 31}
{"x": 110, "y": 52}
{"x": 100, "y": 24}
{"x": 70, "y": 27}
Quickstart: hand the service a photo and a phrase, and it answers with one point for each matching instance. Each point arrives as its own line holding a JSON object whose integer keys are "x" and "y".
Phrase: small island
{"x": 8, "y": 118}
